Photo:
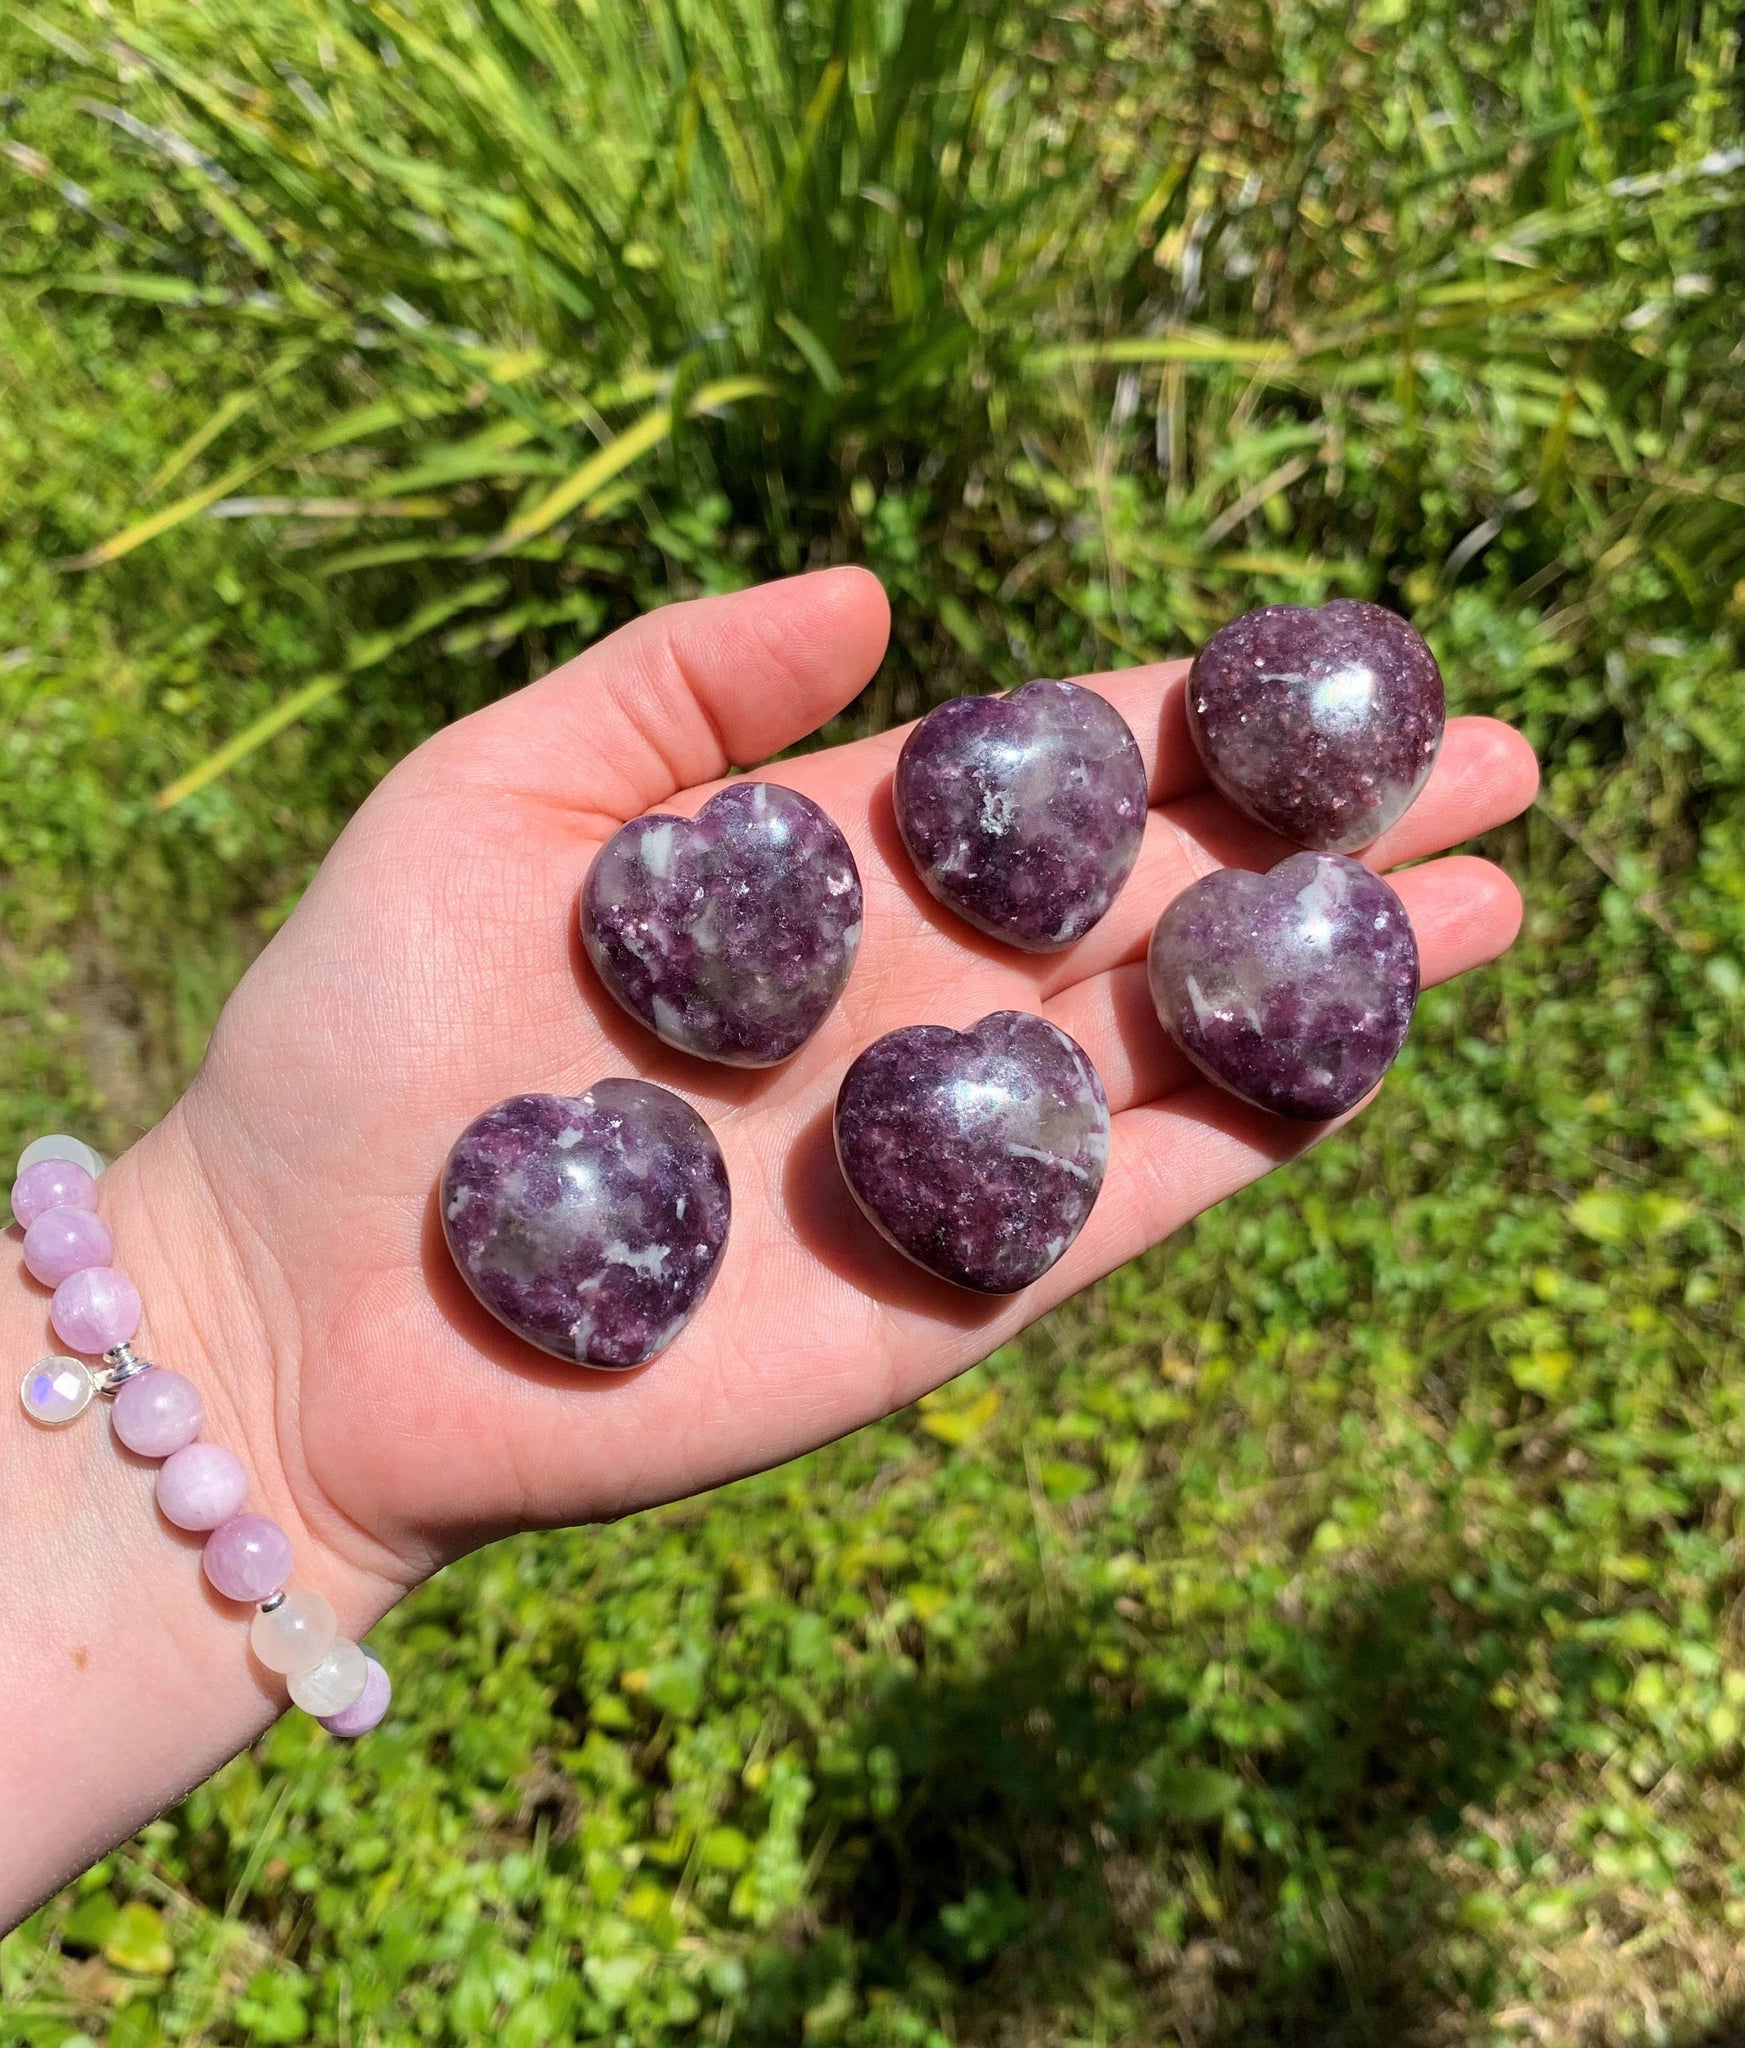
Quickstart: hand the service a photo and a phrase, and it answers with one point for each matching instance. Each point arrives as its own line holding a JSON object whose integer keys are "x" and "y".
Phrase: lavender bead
{"x": 977, "y": 1153}
{"x": 51, "y": 1184}
{"x": 157, "y": 1413}
{"x": 731, "y": 934}
{"x": 591, "y": 1225}
{"x": 95, "y": 1310}
{"x": 1292, "y": 989}
{"x": 1323, "y": 724}
{"x": 247, "y": 1558}
{"x": 1023, "y": 814}
{"x": 62, "y": 1242}
{"x": 367, "y": 1710}
{"x": 201, "y": 1486}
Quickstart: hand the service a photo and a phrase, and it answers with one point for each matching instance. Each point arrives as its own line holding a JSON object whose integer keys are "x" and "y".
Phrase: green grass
{"x": 1325, "y": 1631}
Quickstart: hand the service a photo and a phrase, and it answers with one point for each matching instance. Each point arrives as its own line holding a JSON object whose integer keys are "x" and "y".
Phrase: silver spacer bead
{"x": 276, "y": 1600}
{"x": 124, "y": 1365}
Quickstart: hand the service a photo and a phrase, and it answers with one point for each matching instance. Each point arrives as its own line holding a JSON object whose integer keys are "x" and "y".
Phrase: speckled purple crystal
{"x": 1023, "y": 814}
{"x": 977, "y": 1153}
{"x": 592, "y": 1225}
{"x": 1323, "y": 724}
{"x": 730, "y": 934}
{"x": 1292, "y": 989}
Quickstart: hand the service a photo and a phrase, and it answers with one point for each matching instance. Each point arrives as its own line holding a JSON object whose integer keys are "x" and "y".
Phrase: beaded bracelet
{"x": 158, "y": 1414}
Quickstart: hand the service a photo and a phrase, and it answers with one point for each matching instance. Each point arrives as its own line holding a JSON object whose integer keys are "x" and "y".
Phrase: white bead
{"x": 60, "y": 1146}
{"x": 55, "y": 1390}
{"x": 296, "y": 1635}
{"x": 336, "y": 1683}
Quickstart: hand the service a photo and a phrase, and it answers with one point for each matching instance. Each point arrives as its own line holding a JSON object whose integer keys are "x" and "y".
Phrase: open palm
{"x": 434, "y": 967}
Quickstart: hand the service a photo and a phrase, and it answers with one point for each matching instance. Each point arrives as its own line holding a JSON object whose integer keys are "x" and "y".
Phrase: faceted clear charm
{"x": 56, "y": 1390}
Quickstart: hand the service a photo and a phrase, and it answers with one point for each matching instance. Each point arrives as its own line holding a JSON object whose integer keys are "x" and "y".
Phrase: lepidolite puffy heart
{"x": 977, "y": 1153}
{"x": 592, "y": 1225}
{"x": 1023, "y": 814}
{"x": 1323, "y": 724}
{"x": 730, "y": 934}
{"x": 1292, "y": 989}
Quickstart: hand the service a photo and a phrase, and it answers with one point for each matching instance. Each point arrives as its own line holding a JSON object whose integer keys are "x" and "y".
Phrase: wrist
{"x": 125, "y": 1679}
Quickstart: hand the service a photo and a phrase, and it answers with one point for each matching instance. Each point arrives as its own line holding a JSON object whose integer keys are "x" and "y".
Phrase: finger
{"x": 1464, "y": 912}
{"x": 1154, "y": 701}
{"x": 1484, "y": 774}
{"x": 679, "y": 697}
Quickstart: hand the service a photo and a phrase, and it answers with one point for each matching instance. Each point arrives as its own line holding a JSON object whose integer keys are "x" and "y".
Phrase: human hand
{"x": 282, "y": 1221}
{"x": 434, "y": 968}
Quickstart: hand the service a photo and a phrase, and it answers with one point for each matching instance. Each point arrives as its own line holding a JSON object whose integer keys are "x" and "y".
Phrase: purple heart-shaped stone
{"x": 1023, "y": 814}
{"x": 592, "y": 1225}
{"x": 1323, "y": 724}
{"x": 1292, "y": 989}
{"x": 730, "y": 934}
{"x": 977, "y": 1153}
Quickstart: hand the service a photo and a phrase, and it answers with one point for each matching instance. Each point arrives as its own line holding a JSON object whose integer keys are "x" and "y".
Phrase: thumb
{"x": 679, "y": 697}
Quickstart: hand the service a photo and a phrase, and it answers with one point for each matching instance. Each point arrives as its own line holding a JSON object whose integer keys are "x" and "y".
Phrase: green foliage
{"x": 1325, "y": 1629}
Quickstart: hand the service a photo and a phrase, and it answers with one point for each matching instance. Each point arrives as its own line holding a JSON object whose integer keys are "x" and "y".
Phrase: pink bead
{"x": 95, "y": 1310}
{"x": 51, "y": 1184}
{"x": 248, "y": 1558}
{"x": 201, "y": 1486}
{"x": 157, "y": 1413}
{"x": 367, "y": 1709}
{"x": 62, "y": 1242}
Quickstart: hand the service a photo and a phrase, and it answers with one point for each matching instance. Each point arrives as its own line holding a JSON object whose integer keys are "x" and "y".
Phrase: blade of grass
{"x": 163, "y": 521}
{"x": 363, "y": 654}
{"x": 286, "y": 712}
{"x": 618, "y": 454}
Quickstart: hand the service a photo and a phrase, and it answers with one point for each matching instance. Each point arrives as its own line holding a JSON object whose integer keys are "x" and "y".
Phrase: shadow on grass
{"x": 1726, "y": 2030}
{"x": 1220, "y": 1864}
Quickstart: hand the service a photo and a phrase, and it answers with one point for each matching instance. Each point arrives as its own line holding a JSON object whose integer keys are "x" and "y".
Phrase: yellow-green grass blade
{"x": 224, "y": 417}
{"x": 161, "y": 522}
{"x": 286, "y": 712}
{"x": 1169, "y": 348}
{"x": 362, "y": 654}
{"x": 618, "y": 454}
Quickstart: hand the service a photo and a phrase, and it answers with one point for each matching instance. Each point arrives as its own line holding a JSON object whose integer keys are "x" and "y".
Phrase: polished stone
{"x": 977, "y": 1153}
{"x": 1292, "y": 989}
{"x": 1322, "y": 724}
{"x": 1023, "y": 814}
{"x": 201, "y": 1486}
{"x": 591, "y": 1225}
{"x": 51, "y": 1184}
{"x": 65, "y": 1241}
{"x": 94, "y": 1310}
{"x": 367, "y": 1710}
{"x": 59, "y": 1146}
{"x": 247, "y": 1558}
{"x": 157, "y": 1414}
{"x": 730, "y": 934}
{"x": 338, "y": 1682}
